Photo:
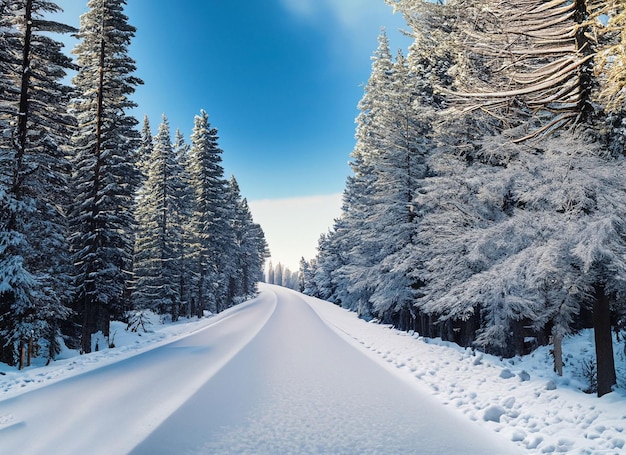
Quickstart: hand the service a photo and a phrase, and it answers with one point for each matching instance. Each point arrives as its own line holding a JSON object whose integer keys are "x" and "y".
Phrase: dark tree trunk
{"x": 558, "y": 353}
{"x": 605, "y": 363}
{"x": 517, "y": 339}
{"x": 446, "y": 332}
{"x": 89, "y": 325}
{"x": 468, "y": 329}
{"x": 200, "y": 301}
{"x": 22, "y": 118}
{"x": 96, "y": 318}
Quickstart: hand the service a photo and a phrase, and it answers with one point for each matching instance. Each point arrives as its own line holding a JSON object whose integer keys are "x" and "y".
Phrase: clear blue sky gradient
{"x": 280, "y": 80}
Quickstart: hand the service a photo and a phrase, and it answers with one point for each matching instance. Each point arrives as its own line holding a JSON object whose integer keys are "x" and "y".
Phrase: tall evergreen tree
{"x": 278, "y": 274}
{"x": 105, "y": 175}
{"x": 250, "y": 249}
{"x": 157, "y": 264}
{"x": 144, "y": 152}
{"x": 400, "y": 167}
{"x": 270, "y": 273}
{"x": 353, "y": 236}
{"x": 209, "y": 220}
{"x": 34, "y": 266}
{"x": 257, "y": 252}
{"x": 185, "y": 211}
{"x": 327, "y": 262}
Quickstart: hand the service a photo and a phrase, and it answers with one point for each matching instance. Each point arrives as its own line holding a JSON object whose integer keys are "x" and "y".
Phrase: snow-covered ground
{"x": 519, "y": 399}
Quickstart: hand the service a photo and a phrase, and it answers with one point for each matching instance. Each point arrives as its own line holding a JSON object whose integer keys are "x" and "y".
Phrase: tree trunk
{"x": 557, "y": 342}
{"x": 22, "y": 118}
{"x": 605, "y": 363}
{"x": 517, "y": 339}
{"x": 89, "y": 325}
{"x": 30, "y": 351}
{"x": 22, "y": 355}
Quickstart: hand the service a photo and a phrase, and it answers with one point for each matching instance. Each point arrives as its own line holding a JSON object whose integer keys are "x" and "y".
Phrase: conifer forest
{"x": 487, "y": 204}
{"x": 101, "y": 219}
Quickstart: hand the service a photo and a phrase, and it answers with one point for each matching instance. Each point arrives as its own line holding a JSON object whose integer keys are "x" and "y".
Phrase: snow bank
{"x": 70, "y": 363}
{"x": 521, "y": 398}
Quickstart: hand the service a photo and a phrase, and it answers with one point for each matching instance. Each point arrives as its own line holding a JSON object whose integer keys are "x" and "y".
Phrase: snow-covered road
{"x": 267, "y": 377}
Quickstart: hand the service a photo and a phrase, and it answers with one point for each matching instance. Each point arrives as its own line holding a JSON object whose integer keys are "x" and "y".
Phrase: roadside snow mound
{"x": 521, "y": 398}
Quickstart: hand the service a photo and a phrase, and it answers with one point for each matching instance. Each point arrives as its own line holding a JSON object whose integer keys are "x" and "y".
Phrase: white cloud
{"x": 349, "y": 13}
{"x": 301, "y": 7}
{"x": 353, "y": 22}
{"x": 293, "y": 226}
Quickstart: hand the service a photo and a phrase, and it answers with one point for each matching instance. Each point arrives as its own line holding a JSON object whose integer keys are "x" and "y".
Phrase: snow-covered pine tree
{"x": 144, "y": 152}
{"x": 352, "y": 245}
{"x": 250, "y": 247}
{"x": 159, "y": 216}
{"x": 185, "y": 211}
{"x": 9, "y": 93}
{"x": 328, "y": 260}
{"x": 231, "y": 273}
{"x": 307, "y": 270}
{"x": 257, "y": 252}
{"x": 105, "y": 175}
{"x": 209, "y": 223}
{"x": 278, "y": 274}
{"x": 236, "y": 276}
{"x": 303, "y": 272}
{"x": 399, "y": 167}
{"x": 34, "y": 265}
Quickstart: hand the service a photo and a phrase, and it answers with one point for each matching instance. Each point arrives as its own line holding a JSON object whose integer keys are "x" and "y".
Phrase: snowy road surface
{"x": 267, "y": 377}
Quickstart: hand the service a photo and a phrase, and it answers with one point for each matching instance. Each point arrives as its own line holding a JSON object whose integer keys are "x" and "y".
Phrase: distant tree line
{"x": 486, "y": 204}
{"x": 282, "y": 276}
{"x": 99, "y": 221}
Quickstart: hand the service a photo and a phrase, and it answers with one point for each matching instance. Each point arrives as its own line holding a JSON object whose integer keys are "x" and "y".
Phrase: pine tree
{"x": 308, "y": 276}
{"x": 327, "y": 262}
{"x": 250, "y": 249}
{"x": 144, "y": 152}
{"x": 257, "y": 252}
{"x": 278, "y": 274}
{"x": 11, "y": 265}
{"x": 209, "y": 220}
{"x": 159, "y": 218}
{"x": 34, "y": 284}
{"x": 105, "y": 176}
{"x": 399, "y": 167}
{"x": 353, "y": 235}
{"x": 185, "y": 211}
{"x": 270, "y": 274}
{"x": 303, "y": 272}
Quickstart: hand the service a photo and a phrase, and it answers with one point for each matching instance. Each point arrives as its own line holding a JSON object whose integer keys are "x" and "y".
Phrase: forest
{"x": 487, "y": 201}
{"x": 101, "y": 220}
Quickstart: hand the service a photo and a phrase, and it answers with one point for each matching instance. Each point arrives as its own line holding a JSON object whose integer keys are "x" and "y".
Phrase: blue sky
{"x": 280, "y": 80}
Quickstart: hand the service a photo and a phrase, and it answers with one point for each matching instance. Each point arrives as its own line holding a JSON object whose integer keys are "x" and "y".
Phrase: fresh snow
{"x": 286, "y": 373}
